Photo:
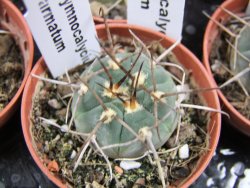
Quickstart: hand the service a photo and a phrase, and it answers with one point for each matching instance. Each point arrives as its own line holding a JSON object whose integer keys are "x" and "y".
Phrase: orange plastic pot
{"x": 187, "y": 59}
{"x": 212, "y": 31}
{"x": 12, "y": 20}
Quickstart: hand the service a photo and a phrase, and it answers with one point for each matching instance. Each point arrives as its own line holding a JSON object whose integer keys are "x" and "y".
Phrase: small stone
{"x": 64, "y": 128}
{"x": 61, "y": 113}
{"x": 140, "y": 182}
{"x": 129, "y": 165}
{"x": 54, "y": 104}
{"x": 217, "y": 68}
{"x": 222, "y": 170}
{"x": 245, "y": 182}
{"x": 210, "y": 182}
{"x": 99, "y": 176}
{"x": 70, "y": 142}
{"x": 198, "y": 140}
{"x": 184, "y": 151}
{"x": 53, "y": 166}
{"x": 181, "y": 172}
{"x": 239, "y": 168}
{"x": 46, "y": 147}
{"x": 227, "y": 152}
{"x": 118, "y": 170}
{"x": 73, "y": 154}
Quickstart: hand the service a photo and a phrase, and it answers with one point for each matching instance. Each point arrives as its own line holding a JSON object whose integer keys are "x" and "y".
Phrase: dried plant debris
{"x": 11, "y": 68}
{"x": 230, "y": 61}
{"x": 114, "y": 9}
{"x": 73, "y": 126}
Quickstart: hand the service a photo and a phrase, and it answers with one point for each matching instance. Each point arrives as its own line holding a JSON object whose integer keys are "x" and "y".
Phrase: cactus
{"x": 119, "y": 99}
{"x": 240, "y": 56}
{"x": 233, "y": 57}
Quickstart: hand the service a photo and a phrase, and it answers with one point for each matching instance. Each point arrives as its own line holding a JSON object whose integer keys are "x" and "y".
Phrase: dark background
{"x": 17, "y": 168}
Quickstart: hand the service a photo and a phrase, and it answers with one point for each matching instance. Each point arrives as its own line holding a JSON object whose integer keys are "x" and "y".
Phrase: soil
{"x": 220, "y": 66}
{"x": 11, "y": 69}
{"x": 118, "y": 12}
{"x": 54, "y": 145}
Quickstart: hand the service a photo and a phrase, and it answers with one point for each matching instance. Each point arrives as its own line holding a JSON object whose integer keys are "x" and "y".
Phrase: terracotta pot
{"x": 236, "y": 118}
{"x": 184, "y": 56}
{"x": 13, "y": 21}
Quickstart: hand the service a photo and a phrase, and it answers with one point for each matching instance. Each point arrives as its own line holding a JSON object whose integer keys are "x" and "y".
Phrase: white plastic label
{"x": 165, "y": 16}
{"x": 64, "y": 32}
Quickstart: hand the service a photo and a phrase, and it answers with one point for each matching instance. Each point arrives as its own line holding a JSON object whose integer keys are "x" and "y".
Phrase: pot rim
{"x": 242, "y": 123}
{"x": 217, "y": 117}
{"x": 30, "y": 46}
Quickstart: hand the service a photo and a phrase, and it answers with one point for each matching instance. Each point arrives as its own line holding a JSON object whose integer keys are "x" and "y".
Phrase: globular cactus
{"x": 115, "y": 96}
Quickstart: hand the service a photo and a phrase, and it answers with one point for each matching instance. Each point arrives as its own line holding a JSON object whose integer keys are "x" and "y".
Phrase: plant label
{"x": 165, "y": 16}
{"x": 64, "y": 32}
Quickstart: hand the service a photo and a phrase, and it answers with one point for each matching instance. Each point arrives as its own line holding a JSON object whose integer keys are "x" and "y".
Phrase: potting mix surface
{"x": 11, "y": 68}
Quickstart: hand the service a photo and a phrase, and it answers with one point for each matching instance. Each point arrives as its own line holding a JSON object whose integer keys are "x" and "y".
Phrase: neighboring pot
{"x": 12, "y": 20}
{"x": 236, "y": 118}
{"x": 183, "y": 55}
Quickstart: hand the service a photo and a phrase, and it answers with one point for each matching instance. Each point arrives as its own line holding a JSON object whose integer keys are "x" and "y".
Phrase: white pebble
{"x": 64, "y": 128}
{"x": 210, "y": 182}
{"x": 184, "y": 151}
{"x": 73, "y": 154}
{"x": 245, "y": 182}
{"x": 215, "y": 66}
{"x": 227, "y": 152}
{"x": 129, "y": 165}
{"x": 54, "y": 104}
{"x": 222, "y": 170}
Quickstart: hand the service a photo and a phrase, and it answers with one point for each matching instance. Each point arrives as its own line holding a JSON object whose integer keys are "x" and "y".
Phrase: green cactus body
{"x": 89, "y": 110}
{"x": 242, "y": 44}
